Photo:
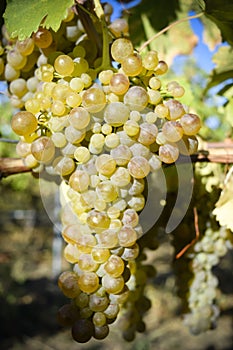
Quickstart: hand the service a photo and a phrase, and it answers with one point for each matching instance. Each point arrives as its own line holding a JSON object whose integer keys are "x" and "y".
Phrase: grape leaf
{"x": 23, "y": 17}
{"x": 224, "y": 66}
{"x": 221, "y": 13}
{"x": 224, "y": 207}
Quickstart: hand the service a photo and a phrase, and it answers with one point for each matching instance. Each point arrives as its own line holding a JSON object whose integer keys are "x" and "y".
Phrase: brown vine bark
{"x": 214, "y": 152}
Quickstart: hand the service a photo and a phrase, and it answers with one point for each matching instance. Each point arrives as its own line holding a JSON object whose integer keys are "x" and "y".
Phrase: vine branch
{"x": 146, "y": 43}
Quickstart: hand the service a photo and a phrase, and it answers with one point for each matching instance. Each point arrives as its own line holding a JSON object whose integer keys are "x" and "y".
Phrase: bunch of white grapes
{"x": 202, "y": 294}
{"x": 103, "y": 132}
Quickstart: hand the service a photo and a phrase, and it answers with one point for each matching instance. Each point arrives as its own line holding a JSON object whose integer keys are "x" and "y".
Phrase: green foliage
{"x": 221, "y": 13}
{"x": 23, "y": 17}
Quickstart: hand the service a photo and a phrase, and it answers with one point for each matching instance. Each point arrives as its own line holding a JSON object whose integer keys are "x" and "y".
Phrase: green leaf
{"x": 224, "y": 66}
{"x": 229, "y": 112}
{"x": 221, "y": 12}
{"x": 224, "y": 206}
{"x": 23, "y": 17}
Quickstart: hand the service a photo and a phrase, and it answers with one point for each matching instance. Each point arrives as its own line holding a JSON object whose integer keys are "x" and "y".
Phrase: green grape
{"x": 147, "y": 134}
{"x": 98, "y": 221}
{"x": 68, "y": 283}
{"x": 64, "y": 65}
{"x": 42, "y": 38}
{"x": 98, "y": 303}
{"x": 86, "y": 262}
{"x": 58, "y": 108}
{"x": 105, "y": 76}
{"x": 131, "y": 127}
{"x": 108, "y": 239}
{"x": 79, "y": 118}
{"x": 24, "y": 123}
{"x": 121, "y": 154}
{"x": 15, "y": 59}
{"x": 106, "y": 191}
{"x": 100, "y": 255}
{"x": 121, "y": 48}
{"x": 23, "y": 148}
{"x": 79, "y": 181}
{"x": 150, "y": 60}
{"x": 73, "y": 135}
{"x": 112, "y": 311}
{"x": 79, "y": 234}
{"x": 190, "y": 123}
{"x": 119, "y": 27}
{"x": 138, "y": 167}
{"x": 94, "y": 99}
{"x": 43, "y": 149}
{"x": 32, "y": 105}
{"x": 64, "y": 165}
{"x": 127, "y": 236}
{"x": 80, "y": 66}
{"x": 82, "y": 300}
{"x": 176, "y": 109}
{"x": 161, "y": 68}
{"x": 131, "y": 253}
{"x": 136, "y": 98}
{"x": 116, "y": 113}
{"x": 162, "y": 110}
{"x": 113, "y": 285}
{"x": 105, "y": 164}
{"x": 88, "y": 282}
{"x": 99, "y": 319}
{"x": 71, "y": 253}
{"x": 188, "y": 145}
{"x": 121, "y": 177}
{"x": 132, "y": 65}
{"x": 168, "y": 153}
{"x": 114, "y": 266}
{"x": 172, "y": 130}
{"x": 119, "y": 84}
{"x": 82, "y": 154}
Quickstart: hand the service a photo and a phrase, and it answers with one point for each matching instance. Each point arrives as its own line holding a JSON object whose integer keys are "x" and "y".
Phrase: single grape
{"x": 88, "y": 282}
{"x": 190, "y": 123}
{"x": 121, "y": 48}
{"x": 42, "y": 38}
{"x": 82, "y": 330}
{"x": 43, "y": 149}
{"x": 94, "y": 99}
{"x": 68, "y": 283}
{"x": 168, "y": 153}
{"x": 132, "y": 65}
{"x": 24, "y": 123}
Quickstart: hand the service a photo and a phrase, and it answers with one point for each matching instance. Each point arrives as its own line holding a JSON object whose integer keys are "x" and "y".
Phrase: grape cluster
{"x": 206, "y": 253}
{"x": 103, "y": 130}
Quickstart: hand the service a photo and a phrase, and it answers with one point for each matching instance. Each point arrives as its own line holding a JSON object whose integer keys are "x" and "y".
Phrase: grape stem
{"x": 106, "y": 62}
{"x": 146, "y": 43}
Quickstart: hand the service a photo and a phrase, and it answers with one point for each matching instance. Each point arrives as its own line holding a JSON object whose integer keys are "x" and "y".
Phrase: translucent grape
{"x": 132, "y": 65}
{"x": 138, "y": 167}
{"x": 98, "y": 221}
{"x": 42, "y": 38}
{"x": 148, "y": 133}
{"x": 116, "y": 113}
{"x": 105, "y": 164}
{"x": 150, "y": 60}
{"x": 114, "y": 266}
{"x": 113, "y": 285}
{"x": 136, "y": 98}
{"x": 176, "y": 109}
{"x": 127, "y": 236}
{"x": 24, "y": 123}
{"x": 68, "y": 283}
{"x": 168, "y": 153}
{"x": 79, "y": 180}
{"x": 79, "y": 118}
{"x": 119, "y": 83}
{"x": 173, "y": 131}
{"x": 94, "y": 99}
{"x": 88, "y": 282}
{"x": 190, "y": 123}
{"x": 100, "y": 255}
{"x": 121, "y": 48}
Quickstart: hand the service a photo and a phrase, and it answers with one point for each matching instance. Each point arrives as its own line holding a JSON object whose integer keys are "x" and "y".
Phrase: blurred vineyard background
{"x": 31, "y": 248}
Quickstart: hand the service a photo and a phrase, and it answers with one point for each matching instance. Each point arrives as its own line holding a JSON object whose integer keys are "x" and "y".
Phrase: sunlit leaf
{"x": 224, "y": 66}
{"x": 221, "y": 13}
{"x": 23, "y": 17}
{"x": 224, "y": 207}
